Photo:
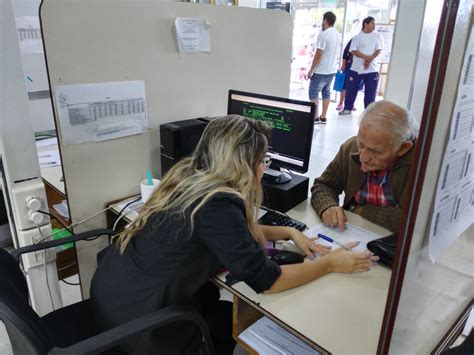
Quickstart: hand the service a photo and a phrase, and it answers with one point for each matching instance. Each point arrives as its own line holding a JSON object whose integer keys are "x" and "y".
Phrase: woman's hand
{"x": 342, "y": 260}
{"x": 307, "y": 245}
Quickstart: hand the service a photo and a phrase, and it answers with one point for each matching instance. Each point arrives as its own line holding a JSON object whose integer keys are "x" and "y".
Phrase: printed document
{"x": 49, "y": 158}
{"x": 29, "y": 35}
{"x": 267, "y": 337}
{"x": 193, "y": 34}
{"x": 454, "y": 201}
{"x": 102, "y": 111}
{"x": 352, "y": 233}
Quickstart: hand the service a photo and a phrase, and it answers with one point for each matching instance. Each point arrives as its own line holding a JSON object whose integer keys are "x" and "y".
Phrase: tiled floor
{"x": 326, "y": 141}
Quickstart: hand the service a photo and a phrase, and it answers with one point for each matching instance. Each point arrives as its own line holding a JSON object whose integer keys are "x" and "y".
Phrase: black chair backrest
{"x": 23, "y": 325}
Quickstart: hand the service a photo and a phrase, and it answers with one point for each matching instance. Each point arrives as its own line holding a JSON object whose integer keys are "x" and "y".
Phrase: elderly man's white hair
{"x": 394, "y": 118}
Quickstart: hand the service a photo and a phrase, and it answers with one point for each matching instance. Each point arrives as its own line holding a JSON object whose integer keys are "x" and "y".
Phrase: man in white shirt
{"x": 365, "y": 47}
{"x": 324, "y": 65}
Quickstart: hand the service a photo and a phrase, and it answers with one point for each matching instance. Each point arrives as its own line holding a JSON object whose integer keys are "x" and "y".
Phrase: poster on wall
{"x": 387, "y": 34}
{"x": 101, "y": 111}
{"x": 454, "y": 201}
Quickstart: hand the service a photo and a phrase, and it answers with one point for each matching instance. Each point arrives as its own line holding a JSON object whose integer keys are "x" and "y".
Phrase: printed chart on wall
{"x": 387, "y": 34}
{"x": 102, "y": 111}
{"x": 454, "y": 204}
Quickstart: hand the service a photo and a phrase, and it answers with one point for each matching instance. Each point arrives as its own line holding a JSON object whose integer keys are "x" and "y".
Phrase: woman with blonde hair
{"x": 203, "y": 217}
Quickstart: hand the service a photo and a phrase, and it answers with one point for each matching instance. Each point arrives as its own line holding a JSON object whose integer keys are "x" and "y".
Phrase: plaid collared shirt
{"x": 376, "y": 190}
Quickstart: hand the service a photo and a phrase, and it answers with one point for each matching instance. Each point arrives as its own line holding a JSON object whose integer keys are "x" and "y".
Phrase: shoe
{"x": 316, "y": 120}
{"x": 344, "y": 112}
{"x": 322, "y": 120}
{"x": 354, "y": 109}
{"x": 339, "y": 107}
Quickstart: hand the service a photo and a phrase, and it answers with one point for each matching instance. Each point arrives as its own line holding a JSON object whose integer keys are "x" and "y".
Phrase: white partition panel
{"x": 93, "y": 41}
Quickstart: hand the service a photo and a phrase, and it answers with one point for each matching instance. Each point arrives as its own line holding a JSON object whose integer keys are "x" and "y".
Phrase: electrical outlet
{"x": 26, "y": 197}
{"x": 33, "y": 236}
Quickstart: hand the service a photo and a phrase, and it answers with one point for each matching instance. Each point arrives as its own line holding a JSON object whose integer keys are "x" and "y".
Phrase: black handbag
{"x": 384, "y": 248}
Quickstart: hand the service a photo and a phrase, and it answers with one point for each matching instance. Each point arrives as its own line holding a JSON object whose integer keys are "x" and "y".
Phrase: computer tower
{"x": 283, "y": 197}
{"x": 178, "y": 139}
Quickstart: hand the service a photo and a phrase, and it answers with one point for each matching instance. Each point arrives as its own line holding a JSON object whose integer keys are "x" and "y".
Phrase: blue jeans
{"x": 371, "y": 81}
{"x": 320, "y": 83}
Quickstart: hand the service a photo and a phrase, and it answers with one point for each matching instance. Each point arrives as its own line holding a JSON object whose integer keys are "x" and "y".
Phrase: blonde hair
{"x": 225, "y": 160}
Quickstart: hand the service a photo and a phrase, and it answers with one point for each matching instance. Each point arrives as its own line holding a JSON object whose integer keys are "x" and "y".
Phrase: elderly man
{"x": 372, "y": 169}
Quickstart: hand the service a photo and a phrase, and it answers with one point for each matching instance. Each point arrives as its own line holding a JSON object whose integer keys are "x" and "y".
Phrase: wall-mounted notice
{"x": 193, "y": 34}
{"x": 387, "y": 34}
{"x": 454, "y": 201}
{"x": 102, "y": 111}
{"x": 29, "y": 34}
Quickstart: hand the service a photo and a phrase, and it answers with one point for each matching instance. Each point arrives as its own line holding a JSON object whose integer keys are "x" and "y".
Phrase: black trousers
{"x": 218, "y": 316}
{"x": 185, "y": 338}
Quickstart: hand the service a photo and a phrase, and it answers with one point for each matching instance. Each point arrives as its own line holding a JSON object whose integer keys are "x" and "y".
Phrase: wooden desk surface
{"x": 342, "y": 313}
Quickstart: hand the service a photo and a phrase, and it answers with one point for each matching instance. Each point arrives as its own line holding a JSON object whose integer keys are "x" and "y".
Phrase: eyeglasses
{"x": 267, "y": 161}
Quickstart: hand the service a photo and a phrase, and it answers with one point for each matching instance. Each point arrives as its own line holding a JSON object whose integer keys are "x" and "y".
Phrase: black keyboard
{"x": 275, "y": 218}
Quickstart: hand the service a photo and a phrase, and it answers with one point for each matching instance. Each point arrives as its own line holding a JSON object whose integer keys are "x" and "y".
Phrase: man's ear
{"x": 405, "y": 148}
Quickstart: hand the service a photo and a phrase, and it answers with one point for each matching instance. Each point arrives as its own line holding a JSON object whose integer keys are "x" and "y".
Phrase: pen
{"x": 330, "y": 240}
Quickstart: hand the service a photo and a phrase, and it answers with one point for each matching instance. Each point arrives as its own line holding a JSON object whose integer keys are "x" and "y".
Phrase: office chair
{"x": 72, "y": 329}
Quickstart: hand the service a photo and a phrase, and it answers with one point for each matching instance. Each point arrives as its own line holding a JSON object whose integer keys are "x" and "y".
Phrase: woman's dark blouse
{"x": 163, "y": 265}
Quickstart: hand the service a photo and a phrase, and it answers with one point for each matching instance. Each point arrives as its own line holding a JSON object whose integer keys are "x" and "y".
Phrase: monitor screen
{"x": 291, "y": 122}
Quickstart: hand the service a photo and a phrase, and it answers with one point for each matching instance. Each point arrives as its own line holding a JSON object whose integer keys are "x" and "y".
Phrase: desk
{"x": 66, "y": 261}
{"x": 337, "y": 313}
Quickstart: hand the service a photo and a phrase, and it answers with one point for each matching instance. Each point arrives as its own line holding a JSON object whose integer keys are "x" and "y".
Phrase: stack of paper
{"x": 132, "y": 210}
{"x": 62, "y": 208}
{"x": 267, "y": 337}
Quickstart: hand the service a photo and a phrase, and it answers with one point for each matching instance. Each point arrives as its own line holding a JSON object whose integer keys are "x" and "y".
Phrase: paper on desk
{"x": 49, "y": 158}
{"x": 352, "y": 233}
{"x": 132, "y": 210}
{"x": 267, "y": 337}
{"x": 101, "y": 111}
{"x": 469, "y": 323}
{"x": 62, "y": 208}
{"x": 47, "y": 142}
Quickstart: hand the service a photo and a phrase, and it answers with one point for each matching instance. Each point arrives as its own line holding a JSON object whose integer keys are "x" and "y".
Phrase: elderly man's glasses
{"x": 267, "y": 161}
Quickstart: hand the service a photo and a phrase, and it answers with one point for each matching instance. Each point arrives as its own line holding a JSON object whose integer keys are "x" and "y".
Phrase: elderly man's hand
{"x": 334, "y": 217}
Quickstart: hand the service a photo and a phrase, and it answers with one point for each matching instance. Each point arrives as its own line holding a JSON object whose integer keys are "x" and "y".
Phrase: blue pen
{"x": 150, "y": 179}
{"x": 330, "y": 240}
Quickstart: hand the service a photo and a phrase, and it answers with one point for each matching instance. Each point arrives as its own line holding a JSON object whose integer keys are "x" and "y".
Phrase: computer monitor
{"x": 292, "y": 129}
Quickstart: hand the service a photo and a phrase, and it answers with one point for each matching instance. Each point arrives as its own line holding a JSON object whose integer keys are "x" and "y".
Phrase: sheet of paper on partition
{"x": 386, "y": 31}
{"x": 454, "y": 201}
{"x": 267, "y": 337}
{"x": 193, "y": 34}
{"x": 29, "y": 35}
{"x": 352, "y": 233}
{"x": 102, "y": 111}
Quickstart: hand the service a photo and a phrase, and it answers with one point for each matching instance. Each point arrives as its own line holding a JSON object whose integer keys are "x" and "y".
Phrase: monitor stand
{"x": 276, "y": 177}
